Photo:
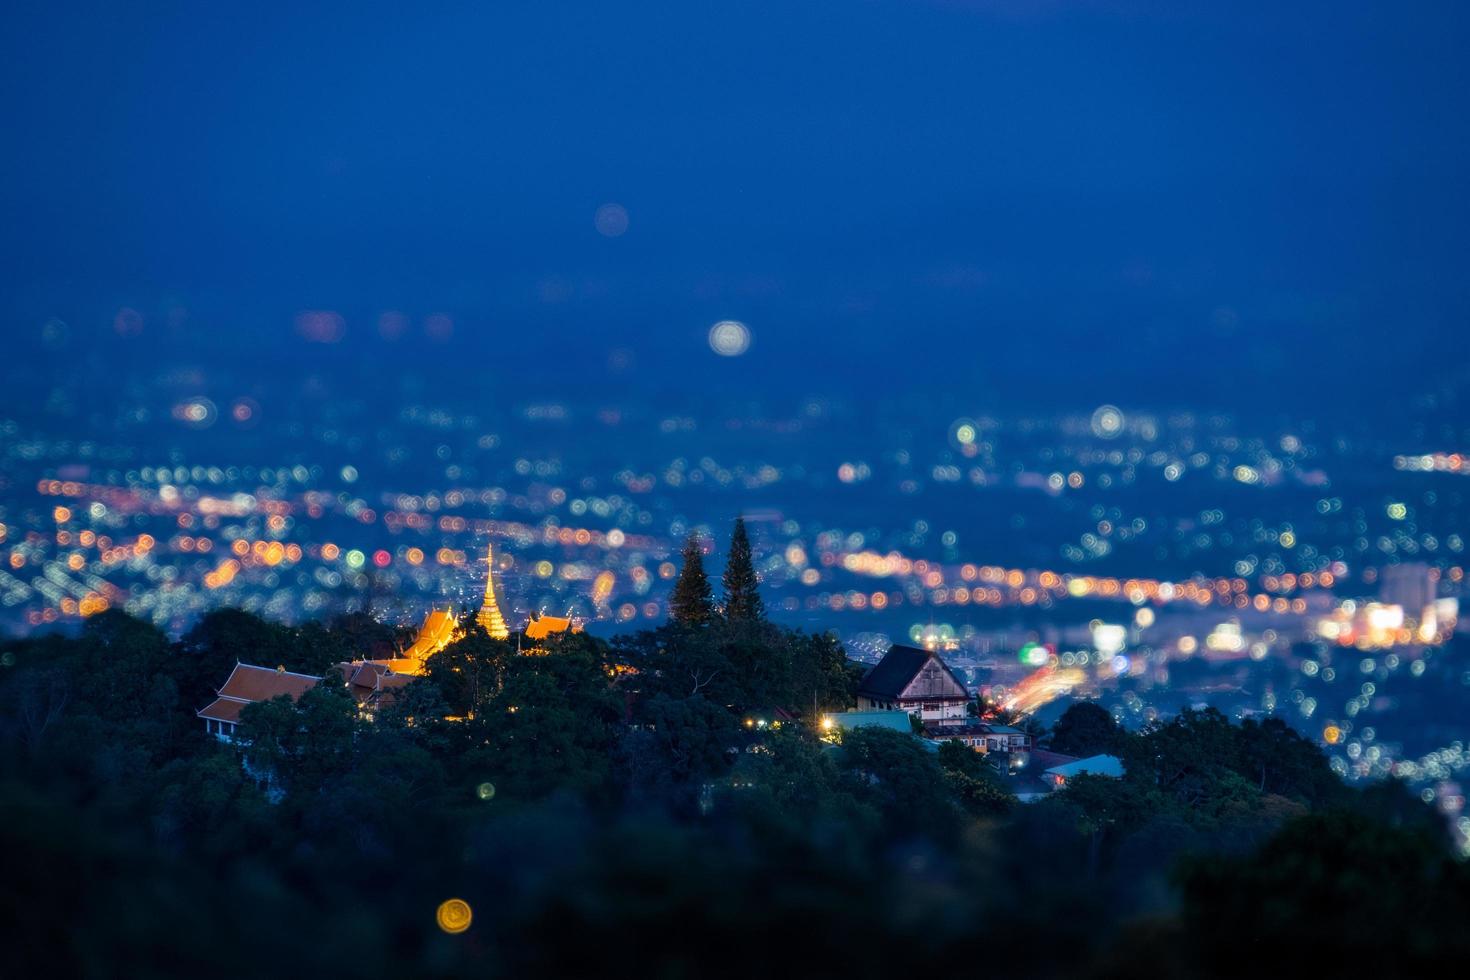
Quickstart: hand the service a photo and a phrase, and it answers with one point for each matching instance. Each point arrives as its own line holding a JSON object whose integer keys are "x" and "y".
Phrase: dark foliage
{"x": 742, "y": 588}
{"x": 1085, "y": 729}
{"x": 659, "y": 806}
{"x": 691, "y": 603}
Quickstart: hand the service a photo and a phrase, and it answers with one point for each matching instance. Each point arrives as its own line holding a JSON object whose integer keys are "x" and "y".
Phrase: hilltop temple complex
{"x": 375, "y": 683}
{"x": 441, "y": 627}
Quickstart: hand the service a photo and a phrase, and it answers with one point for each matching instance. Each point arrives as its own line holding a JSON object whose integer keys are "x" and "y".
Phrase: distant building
{"x": 918, "y": 682}
{"x": 1097, "y": 765}
{"x": 985, "y": 737}
{"x": 1411, "y": 587}
{"x": 248, "y": 684}
{"x": 897, "y": 721}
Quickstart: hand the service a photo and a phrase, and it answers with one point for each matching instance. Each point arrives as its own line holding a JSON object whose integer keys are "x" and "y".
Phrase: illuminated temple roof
{"x": 540, "y": 627}
{"x": 436, "y": 634}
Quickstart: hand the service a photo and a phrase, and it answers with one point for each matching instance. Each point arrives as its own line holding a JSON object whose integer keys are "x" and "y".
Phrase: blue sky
{"x": 1145, "y": 200}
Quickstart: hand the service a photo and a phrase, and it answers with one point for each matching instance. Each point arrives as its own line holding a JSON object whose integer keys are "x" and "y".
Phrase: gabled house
{"x": 916, "y": 681}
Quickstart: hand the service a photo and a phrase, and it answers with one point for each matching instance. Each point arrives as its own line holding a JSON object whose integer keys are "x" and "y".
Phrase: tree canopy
{"x": 604, "y": 790}
{"x": 691, "y": 603}
{"x": 742, "y": 587}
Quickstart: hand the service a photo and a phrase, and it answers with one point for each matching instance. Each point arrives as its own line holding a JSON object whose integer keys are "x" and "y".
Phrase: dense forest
{"x": 661, "y": 805}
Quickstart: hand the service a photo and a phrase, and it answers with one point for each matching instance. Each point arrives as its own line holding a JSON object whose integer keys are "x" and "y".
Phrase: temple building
{"x": 372, "y": 684}
{"x": 540, "y": 627}
{"x": 440, "y": 629}
{"x": 248, "y": 684}
{"x": 489, "y": 616}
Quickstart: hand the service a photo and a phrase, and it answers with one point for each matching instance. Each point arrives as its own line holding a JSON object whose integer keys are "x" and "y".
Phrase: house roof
{"x": 1044, "y": 759}
{"x": 1097, "y": 765}
{"x": 250, "y": 683}
{"x": 896, "y": 720}
{"x": 373, "y": 680}
{"x": 223, "y": 709}
{"x": 897, "y": 670}
{"x": 368, "y": 680}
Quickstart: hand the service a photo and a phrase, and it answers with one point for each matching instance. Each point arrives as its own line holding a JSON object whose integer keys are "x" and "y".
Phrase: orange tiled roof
{"x": 436, "y": 633}
{"x": 250, "y": 683}
{"x": 223, "y": 709}
{"x": 541, "y": 627}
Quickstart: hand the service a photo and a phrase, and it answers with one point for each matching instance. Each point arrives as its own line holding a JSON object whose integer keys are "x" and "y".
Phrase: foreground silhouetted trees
{"x": 659, "y": 805}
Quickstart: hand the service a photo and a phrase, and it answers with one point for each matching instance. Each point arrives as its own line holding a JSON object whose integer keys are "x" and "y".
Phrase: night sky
{"x": 1225, "y": 205}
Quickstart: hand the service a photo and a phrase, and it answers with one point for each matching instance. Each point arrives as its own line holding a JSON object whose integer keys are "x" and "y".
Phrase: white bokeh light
{"x": 729, "y": 338}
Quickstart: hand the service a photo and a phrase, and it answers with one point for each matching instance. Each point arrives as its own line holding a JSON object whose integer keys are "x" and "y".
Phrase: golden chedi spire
{"x": 489, "y": 616}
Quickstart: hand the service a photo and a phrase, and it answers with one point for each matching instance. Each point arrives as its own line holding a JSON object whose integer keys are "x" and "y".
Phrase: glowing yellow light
{"x": 454, "y": 915}
{"x": 1332, "y": 734}
{"x": 62, "y": 515}
{"x": 602, "y": 586}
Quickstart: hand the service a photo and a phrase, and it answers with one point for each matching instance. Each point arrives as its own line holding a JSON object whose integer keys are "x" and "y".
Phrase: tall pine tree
{"x": 742, "y": 588}
{"x": 692, "y": 603}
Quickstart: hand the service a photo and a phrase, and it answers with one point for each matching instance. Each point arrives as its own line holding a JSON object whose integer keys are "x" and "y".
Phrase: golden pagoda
{"x": 489, "y": 615}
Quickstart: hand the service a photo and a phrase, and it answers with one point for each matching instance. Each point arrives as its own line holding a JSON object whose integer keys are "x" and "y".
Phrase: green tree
{"x": 679, "y": 743}
{"x": 223, "y": 638}
{"x": 759, "y": 655}
{"x": 793, "y": 787}
{"x": 1370, "y": 900}
{"x": 691, "y": 603}
{"x": 893, "y": 773}
{"x": 552, "y": 726}
{"x": 820, "y": 676}
{"x": 1085, "y": 729}
{"x": 470, "y": 671}
{"x": 973, "y": 780}
{"x": 742, "y": 587}
{"x": 300, "y": 744}
{"x": 1278, "y": 760}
